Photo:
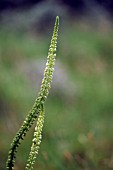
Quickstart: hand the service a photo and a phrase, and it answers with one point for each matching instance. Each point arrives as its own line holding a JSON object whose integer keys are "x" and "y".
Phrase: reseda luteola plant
{"x": 36, "y": 111}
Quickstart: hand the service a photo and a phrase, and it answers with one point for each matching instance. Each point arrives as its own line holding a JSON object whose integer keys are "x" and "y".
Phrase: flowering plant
{"x": 37, "y": 110}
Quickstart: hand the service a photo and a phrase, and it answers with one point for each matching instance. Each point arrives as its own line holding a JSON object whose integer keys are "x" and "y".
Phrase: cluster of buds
{"x": 36, "y": 141}
{"x": 37, "y": 109}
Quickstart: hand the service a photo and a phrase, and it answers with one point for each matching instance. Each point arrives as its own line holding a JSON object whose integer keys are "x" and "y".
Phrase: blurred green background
{"x": 78, "y": 129}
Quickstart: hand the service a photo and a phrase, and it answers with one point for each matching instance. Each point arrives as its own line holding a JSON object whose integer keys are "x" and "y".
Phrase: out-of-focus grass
{"x": 78, "y": 131}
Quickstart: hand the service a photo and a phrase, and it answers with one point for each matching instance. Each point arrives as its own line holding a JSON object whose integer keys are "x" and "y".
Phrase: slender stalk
{"x": 42, "y": 96}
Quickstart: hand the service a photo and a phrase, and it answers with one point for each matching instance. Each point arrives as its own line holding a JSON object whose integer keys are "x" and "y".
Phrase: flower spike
{"x": 37, "y": 108}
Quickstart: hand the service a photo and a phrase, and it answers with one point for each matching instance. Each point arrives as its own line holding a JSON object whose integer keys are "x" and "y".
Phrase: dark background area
{"x": 78, "y": 5}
